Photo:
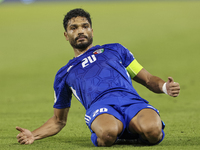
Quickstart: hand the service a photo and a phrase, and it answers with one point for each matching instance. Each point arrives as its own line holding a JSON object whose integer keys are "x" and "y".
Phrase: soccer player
{"x": 100, "y": 78}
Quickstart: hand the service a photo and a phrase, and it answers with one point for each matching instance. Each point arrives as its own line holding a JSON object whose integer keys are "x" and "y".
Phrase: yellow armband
{"x": 134, "y": 68}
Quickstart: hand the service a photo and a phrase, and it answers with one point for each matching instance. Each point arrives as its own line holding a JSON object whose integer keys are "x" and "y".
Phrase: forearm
{"x": 155, "y": 84}
{"x": 51, "y": 127}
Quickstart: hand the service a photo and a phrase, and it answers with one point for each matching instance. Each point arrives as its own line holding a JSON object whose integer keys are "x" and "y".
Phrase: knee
{"x": 153, "y": 133}
{"x": 108, "y": 137}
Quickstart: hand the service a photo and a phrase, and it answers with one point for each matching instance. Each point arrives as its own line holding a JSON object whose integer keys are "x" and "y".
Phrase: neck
{"x": 78, "y": 52}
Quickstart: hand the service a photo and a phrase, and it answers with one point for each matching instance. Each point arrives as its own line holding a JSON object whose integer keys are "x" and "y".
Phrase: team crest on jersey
{"x": 98, "y": 51}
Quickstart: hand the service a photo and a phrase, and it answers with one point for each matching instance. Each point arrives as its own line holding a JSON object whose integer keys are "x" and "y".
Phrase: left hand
{"x": 173, "y": 88}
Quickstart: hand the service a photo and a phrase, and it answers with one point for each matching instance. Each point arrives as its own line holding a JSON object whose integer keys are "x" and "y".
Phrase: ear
{"x": 66, "y": 36}
{"x": 92, "y": 33}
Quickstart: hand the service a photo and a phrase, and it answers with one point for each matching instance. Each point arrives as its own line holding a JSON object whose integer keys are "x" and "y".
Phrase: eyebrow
{"x": 86, "y": 23}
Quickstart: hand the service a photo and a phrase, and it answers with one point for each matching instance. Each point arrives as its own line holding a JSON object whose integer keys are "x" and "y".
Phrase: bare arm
{"x": 155, "y": 83}
{"x": 51, "y": 127}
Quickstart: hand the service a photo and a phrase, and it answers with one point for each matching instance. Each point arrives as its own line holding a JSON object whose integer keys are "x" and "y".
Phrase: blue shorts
{"x": 124, "y": 109}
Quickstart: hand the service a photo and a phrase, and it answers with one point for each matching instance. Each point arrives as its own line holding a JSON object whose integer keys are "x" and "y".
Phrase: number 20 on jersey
{"x": 88, "y": 60}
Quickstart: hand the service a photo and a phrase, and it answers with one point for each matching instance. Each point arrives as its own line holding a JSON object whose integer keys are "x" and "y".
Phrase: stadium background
{"x": 30, "y": 1}
{"x": 163, "y": 36}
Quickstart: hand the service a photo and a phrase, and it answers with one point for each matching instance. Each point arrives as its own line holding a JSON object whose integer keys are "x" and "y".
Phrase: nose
{"x": 80, "y": 30}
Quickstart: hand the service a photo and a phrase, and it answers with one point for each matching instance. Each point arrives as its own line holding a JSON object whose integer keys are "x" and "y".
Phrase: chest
{"x": 95, "y": 66}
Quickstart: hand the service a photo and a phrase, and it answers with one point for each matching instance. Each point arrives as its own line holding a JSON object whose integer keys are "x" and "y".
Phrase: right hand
{"x": 25, "y": 136}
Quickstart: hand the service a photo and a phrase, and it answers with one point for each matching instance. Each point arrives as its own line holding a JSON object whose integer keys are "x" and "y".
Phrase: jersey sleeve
{"x": 62, "y": 93}
{"x": 126, "y": 56}
{"x": 129, "y": 62}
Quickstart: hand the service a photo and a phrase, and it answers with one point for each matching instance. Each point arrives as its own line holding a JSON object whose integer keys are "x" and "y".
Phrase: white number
{"x": 91, "y": 60}
{"x": 101, "y": 110}
{"x": 85, "y": 62}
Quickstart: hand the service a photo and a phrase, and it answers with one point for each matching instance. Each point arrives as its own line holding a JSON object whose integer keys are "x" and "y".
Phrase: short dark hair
{"x": 75, "y": 13}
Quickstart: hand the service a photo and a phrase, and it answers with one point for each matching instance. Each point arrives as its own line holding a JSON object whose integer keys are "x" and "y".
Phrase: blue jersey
{"x": 92, "y": 75}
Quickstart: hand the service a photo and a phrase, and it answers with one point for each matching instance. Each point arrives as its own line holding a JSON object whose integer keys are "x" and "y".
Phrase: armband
{"x": 134, "y": 68}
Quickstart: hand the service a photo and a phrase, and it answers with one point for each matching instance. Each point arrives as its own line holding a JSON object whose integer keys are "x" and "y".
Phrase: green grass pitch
{"x": 163, "y": 36}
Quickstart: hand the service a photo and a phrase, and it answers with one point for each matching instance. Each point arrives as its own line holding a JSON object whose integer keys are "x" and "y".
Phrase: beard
{"x": 83, "y": 45}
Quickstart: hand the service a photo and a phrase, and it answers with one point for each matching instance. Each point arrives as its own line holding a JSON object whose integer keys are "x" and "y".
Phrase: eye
{"x": 72, "y": 28}
{"x": 85, "y": 26}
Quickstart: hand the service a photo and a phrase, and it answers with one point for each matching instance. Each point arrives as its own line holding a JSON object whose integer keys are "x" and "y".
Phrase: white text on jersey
{"x": 88, "y": 60}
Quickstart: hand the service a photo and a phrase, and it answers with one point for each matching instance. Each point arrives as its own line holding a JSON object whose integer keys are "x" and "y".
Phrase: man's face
{"x": 79, "y": 33}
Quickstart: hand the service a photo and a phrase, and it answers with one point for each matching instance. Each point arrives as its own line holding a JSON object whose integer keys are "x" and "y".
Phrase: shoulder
{"x": 112, "y": 46}
{"x": 63, "y": 71}
{"x": 116, "y": 47}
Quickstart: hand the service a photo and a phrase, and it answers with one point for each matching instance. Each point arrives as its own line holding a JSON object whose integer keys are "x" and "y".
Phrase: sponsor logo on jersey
{"x": 98, "y": 51}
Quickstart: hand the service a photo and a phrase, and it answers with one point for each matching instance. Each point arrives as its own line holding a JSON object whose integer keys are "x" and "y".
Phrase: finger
{"x": 170, "y": 79}
{"x": 174, "y": 85}
{"x": 175, "y": 92}
{"x": 23, "y": 141}
{"x": 27, "y": 142}
{"x": 19, "y": 135}
{"x": 175, "y": 95}
{"x": 20, "y": 139}
{"x": 20, "y": 129}
{"x": 174, "y": 88}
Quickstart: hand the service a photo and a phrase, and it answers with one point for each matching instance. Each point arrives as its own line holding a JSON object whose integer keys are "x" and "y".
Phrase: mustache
{"x": 80, "y": 36}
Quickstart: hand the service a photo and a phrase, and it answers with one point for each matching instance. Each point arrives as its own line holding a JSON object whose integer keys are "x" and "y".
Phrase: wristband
{"x": 164, "y": 88}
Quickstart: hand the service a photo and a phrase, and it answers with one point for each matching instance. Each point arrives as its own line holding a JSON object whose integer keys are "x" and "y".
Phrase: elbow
{"x": 60, "y": 122}
{"x": 59, "y": 126}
